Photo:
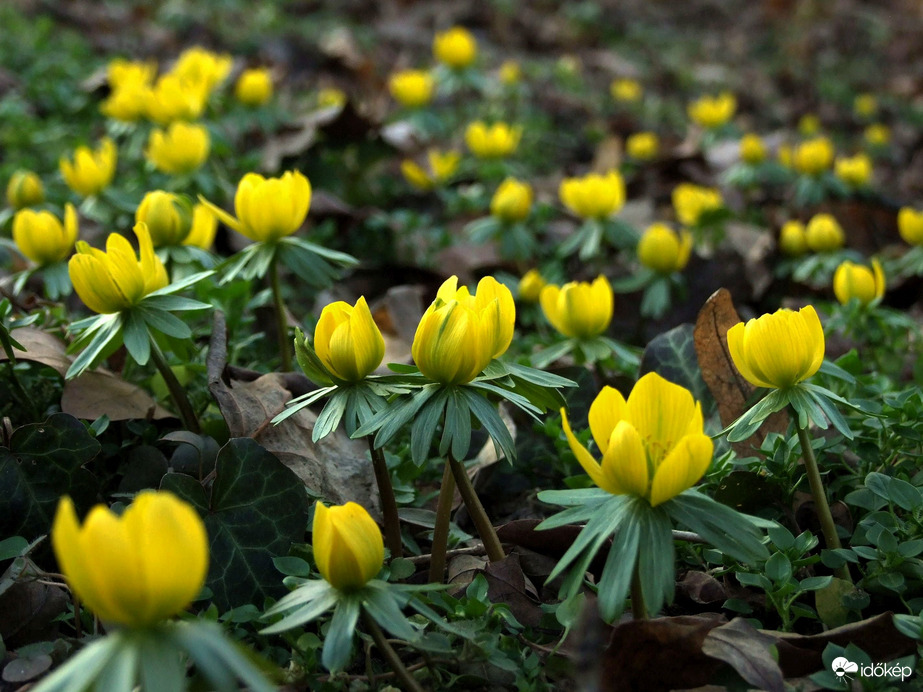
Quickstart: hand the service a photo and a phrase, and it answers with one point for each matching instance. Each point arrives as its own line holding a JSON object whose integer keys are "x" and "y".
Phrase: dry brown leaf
{"x": 40, "y": 347}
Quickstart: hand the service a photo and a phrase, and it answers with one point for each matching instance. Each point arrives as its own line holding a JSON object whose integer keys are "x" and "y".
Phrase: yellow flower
{"x": 813, "y": 156}
{"x": 910, "y": 225}
{"x": 412, "y": 88}
{"x": 442, "y": 166}
{"x": 121, "y": 72}
{"x": 785, "y": 155}
{"x": 201, "y": 67}
{"x": 348, "y": 341}
{"x": 824, "y": 234}
{"x": 691, "y": 202}
{"x": 25, "y": 189}
{"x": 778, "y": 350}
{"x": 808, "y": 125}
{"x": 182, "y": 148}
{"x": 42, "y": 238}
{"x": 204, "y": 227}
{"x": 512, "y": 201}
{"x": 116, "y": 279}
{"x": 626, "y": 90}
{"x": 331, "y": 97}
{"x": 268, "y": 208}
{"x": 510, "y": 73}
{"x": 855, "y": 281}
{"x": 663, "y": 250}
{"x": 137, "y": 569}
{"x": 127, "y": 103}
{"x": 460, "y": 333}
{"x": 752, "y": 149}
{"x": 653, "y": 445}
{"x": 865, "y": 105}
{"x": 713, "y": 111}
{"x": 593, "y": 196}
{"x": 254, "y": 87}
{"x": 579, "y": 309}
{"x": 793, "y": 240}
{"x": 531, "y": 285}
{"x": 455, "y": 47}
{"x": 348, "y": 547}
{"x": 173, "y": 98}
{"x": 495, "y": 142}
{"x": 168, "y": 217}
{"x": 855, "y": 171}
{"x": 91, "y": 171}
{"x": 642, "y": 146}
{"x": 877, "y": 135}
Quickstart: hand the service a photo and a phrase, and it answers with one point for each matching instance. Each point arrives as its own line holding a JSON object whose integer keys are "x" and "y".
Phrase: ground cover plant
{"x": 418, "y": 346}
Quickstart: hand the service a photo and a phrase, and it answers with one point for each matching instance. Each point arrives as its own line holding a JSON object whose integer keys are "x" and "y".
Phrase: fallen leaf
{"x": 702, "y": 588}
{"x": 747, "y": 651}
{"x": 30, "y": 608}
{"x": 507, "y": 584}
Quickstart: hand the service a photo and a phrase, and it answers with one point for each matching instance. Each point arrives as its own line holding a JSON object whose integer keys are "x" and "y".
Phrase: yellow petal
{"x": 682, "y": 468}
{"x": 584, "y": 458}
{"x": 607, "y": 409}
{"x": 662, "y": 412}
{"x": 624, "y": 466}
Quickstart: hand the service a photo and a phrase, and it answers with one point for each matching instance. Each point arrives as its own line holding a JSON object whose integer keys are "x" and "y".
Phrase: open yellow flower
{"x": 182, "y": 148}
{"x": 593, "y": 196}
{"x": 137, "y": 569}
{"x": 456, "y": 47}
{"x": 348, "y": 341}
{"x": 173, "y": 98}
{"x": 910, "y": 225}
{"x": 663, "y": 250}
{"x": 855, "y": 171}
{"x": 121, "y": 72}
{"x": 856, "y": 281}
{"x": 442, "y": 166}
{"x": 168, "y": 217}
{"x": 42, "y": 238}
{"x": 25, "y": 189}
{"x": 653, "y": 445}
{"x": 412, "y": 88}
{"x": 204, "y": 227}
{"x": 348, "y": 547}
{"x": 713, "y": 111}
{"x": 268, "y": 208}
{"x": 202, "y": 67}
{"x": 691, "y": 202}
{"x": 494, "y": 142}
{"x": 91, "y": 171}
{"x": 116, "y": 279}
{"x": 127, "y": 103}
{"x": 813, "y": 156}
{"x": 254, "y": 87}
{"x": 512, "y": 201}
{"x": 778, "y": 350}
{"x": 578, "y": 309}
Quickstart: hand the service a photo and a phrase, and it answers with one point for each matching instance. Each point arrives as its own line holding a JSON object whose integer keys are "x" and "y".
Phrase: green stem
{"x": 476, "y": 510}
{"x": 827, "y": 525}
{"x": 388, "y": 503}
{"x": 408, "y": 682}
{"x": 638, "y": 609}
{"x": 285, "y": 345}
{"x": 177, "y": 392}
{"x": 441, "y": 529}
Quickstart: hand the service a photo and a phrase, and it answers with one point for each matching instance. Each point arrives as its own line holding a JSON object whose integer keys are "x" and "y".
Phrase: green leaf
{"x": 338, "y": 644}
{"x": 80, "y": 670}
{"x": 778, "y": 568}
{"x": 729, "y": 531}
{"x": 570, "y": 498}
{"x": 106, "y": 333}
{"x": 485, "y": 412}
{"x": 456, "y": 431}
{"x": 655, "y": 556}
{"x": 380, "y": 603}
{"x": 119, "y": 673}
{"x": 750, "y": 421}
{"x": 815, "y": 583}
{"x": 162, "y": 665}
{"x": 672, "y": 355}
{"x": 12, "y": 547}
{"x": 220, "y": 659}
{"x": 171, "y": 303}
{"x": 330, "y": 417}
{"x": 136, "y": 337}
{"x": 620, "y": 565}
{"x": 655, "y": 300}
{"x": 600, "y": 526}
{"x": 179, "y": 285}
{"x": 424, "y": 426}
{"x": 292, "y": 566}
{"x": 163, "y": 321}
{"x": 306, "y": 603}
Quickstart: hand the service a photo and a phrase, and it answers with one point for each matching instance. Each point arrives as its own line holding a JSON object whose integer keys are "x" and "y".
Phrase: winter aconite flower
{"x": 203, "y": 68}
{"x": 496, "y": 141}
{"x": 691, "y": 202}
{"x": 254, "y": 87}
{"x": 412, "y": 88}
{"x": 173, "y": 98}
{"x": 857, "y": 281}
{"x": 593, "y": 196}
{"x": 824, "y": 234}
{"x": 347, "y": 340}
{"x": 642, "y": 146}
{"x": 90, "y": 172}
{"x": 25, "y": 189}
{"x": 348, "y": 547}
{"x": 713, "y": 111}
{"x": 455, "y": 47}
{"x": 204, "y": 227}
{"x": 138, "y": 568}
{"x": 865, "y": 105}
{"x": 117, "y": 279}
{"x": 778, "y": 350}
{"x": 752, "y": 149}
{"x": 510, "y": 73}
{"x": 268, "y": 208}
{"x": 182, "y": 148}
{"x": 653, "y": 445}
{"x": 814, "y": 156}
{"x": 442, "y": 166}
{"x": 168, "y": 217}
{"x": 877, "y": 135}
{"x": 512, "y": 201}
{"x": 626, "y": 90}
{"x": 855, "y": 171}
{"x": 910, "y": 225}
{"x": 578, "y": 309}
{"x": 42, "y": 238}
{"x": 793, "y": 240}
{"x": 531, "y": 285}
{"x": 663, "y": 250}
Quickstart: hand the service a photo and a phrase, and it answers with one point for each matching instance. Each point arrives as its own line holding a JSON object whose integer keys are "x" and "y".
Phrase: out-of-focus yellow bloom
{"x": 642, "y": 146}
{"x": 626, "y": 90}
{"x": 579, "y": 309}
{"x": 808, "y": 125}
{"x": 42, "y": 238}
{"x": 877, "y": 135}
{"x": 204, "y": 227}
{"x": 254, "y": 87}
{"x": 663, "y": 250}
{"x": 25, "y": 189}
{"x": 752, "y": 149}
{"x": 785, "y": 155}
{"x": 127, "y": 103}
{"x": 593, "y": 196}
{"x": 121, "y": 72}
{"x": 568, "y": 66}
{"x": 865, "y": 105}
{"x": 137, "y": 569}
{"x": 512, "y": 201}
{"x": 531, "y": 285}
{"x": 793, "y": 240}
{"x": 460, "y": 333}
{"x": 173, "y": 98}
{"x": 203, "y": 68}
{"x": 814, "y": 156}
{"x": 182, "y": 148}
{"x": 857, "y": 281}
{"x": 268, "y": 208}
{"x": 456, "y": 47}
{"x": 713, "y": 111}
{"x": 910, "y": 225}
{"x": 824, "y": 233}
{"x": 168, "y": 217}
{"x": 91, "y": 171}
{"x": 442, "y": 166}
{"x": 495, "y": 142}
{"x": 855, "y": 171}
{"x": 331, "y": 97}
{"x": 348, "y": 547}
{"x": 653, "y": 445}
{"x": 412, "y": 88}
{"x": 778, "y": 350}
{"x": 347, "y": 340}
{"x": 691, "y": 202}
{"x": 510, "y": 73}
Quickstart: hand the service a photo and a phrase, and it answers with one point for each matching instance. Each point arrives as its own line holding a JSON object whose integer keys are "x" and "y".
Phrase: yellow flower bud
{"x": 181, "y": 149}
{"x": 910, "y": 225}
{"x": 531, "y": 285}
{"x": 25, "y": 189}
{"x": 455, "y": 47}
{"x": 116, "y": 279}
{"x": 512, "y": 201}
{"x": 348, "y": 547}
{"x": 347, "y": 340}
{"x": 793, "y": 240}
{"x": 865, "y": 105}
{"x": 168, "y": 217}
{"x": 42, "y": 238}
{"x": 254, "y": 87}
{"x": 856, "y": 281}
{"x": 626, "y": 90}
{"x": 90, "y": 172}
{"x": 877, "y": 135}
{"x": 138, "y": 568}
{"x": 204, "y": 227}
{"x": 653, "y": 445}
{"x": 642, "y": 146}
{"x": 713, "y": 111}
{"x": 579, "y": 309}
{"x": 593, "y": 196}
{"x": 442, "y": 166}
{"x": 778, "y": 350}
{"x": 855, "y": 171}
{"x": 510, "y": 73}
{"x": 412, "y": 88}
{"x": 808, "y": 125}
{"x": 752, "y": 149}
{"x": 495, "y": 142}
{"x": 691, "y": 202}
{"x": 663, "y": 250}
{"x": 813, "y": 156}
{"x": 824, "y": 234}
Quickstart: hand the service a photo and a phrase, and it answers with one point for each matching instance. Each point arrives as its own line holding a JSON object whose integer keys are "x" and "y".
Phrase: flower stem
{"x": 177, "y": 392}
{"x": 441, "y": 529}
{"x": 408, "y": 682}
{"x": 285, "y": 346}
{"x": 638, "y": 609}
{"x": 827, "y": 525}
{"x": 476, "y": 510}
{"x": 388, "y": 503}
